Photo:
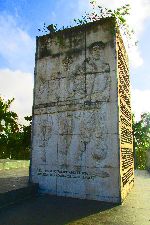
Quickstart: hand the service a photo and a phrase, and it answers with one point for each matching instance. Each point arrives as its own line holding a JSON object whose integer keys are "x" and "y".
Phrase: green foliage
{"x": 141, "y": 140}
{"x": 14, "y": 138}
{"x": 118, "y": 16}
{"x": 97, "y": 13}
{"x": 100, "y": 12}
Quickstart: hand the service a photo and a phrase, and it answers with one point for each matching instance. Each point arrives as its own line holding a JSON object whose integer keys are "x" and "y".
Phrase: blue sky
{"x": 19, "y": 23}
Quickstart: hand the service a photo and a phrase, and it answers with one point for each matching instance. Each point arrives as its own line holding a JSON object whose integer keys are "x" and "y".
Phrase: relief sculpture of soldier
{"x": 96, "y": 60}
{"x": 44, "y": 132}
{"x": 74, "y": 85}
{"x": 96, "y": 70}
{"x": 92, "y": 132}
{"x": 97, "y": 73}
{"x": 66, "y": 126}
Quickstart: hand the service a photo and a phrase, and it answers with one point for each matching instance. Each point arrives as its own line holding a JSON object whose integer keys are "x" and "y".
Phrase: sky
{"x": 19, "y": 24}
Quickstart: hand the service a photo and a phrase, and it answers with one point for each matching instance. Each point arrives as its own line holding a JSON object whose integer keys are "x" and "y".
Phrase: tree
{"x": 14, "y": 138}
{"x": 25, "y": 138}
{"x": 141, "y": 140}
{"x": 8, "y": 128}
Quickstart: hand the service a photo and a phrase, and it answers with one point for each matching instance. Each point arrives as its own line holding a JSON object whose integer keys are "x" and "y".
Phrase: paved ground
{"x": 51, "y": 210}
{"x": 13, "y": 179}
{"x": 13, "y": 164}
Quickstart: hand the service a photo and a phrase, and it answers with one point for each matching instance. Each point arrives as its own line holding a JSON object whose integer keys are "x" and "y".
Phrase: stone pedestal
{"x": 81, "y": 133}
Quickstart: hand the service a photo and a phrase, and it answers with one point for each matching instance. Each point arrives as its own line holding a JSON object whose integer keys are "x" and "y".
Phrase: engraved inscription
{"x": 125, "y": 117}
{"x": 71, "y": 174}
{"x": 65, "y": 174}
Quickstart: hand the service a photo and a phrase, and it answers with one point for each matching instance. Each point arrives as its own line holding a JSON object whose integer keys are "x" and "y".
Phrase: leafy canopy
{"x": 141, "y": 140}
{"x": 14, "y": 137}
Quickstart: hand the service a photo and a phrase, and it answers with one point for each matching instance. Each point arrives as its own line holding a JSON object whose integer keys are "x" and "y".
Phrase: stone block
{"x": 81, "y": 144}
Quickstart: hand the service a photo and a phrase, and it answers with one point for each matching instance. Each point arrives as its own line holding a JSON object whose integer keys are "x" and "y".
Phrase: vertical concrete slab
{"x": 76, "y": 135}
{"x": 125, "y": 120}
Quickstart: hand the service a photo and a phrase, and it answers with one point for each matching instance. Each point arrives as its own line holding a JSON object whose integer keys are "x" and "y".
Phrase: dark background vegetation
{"x": 15, "y": 139}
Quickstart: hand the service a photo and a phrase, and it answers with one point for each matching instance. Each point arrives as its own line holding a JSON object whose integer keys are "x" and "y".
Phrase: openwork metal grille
{"x": 125, "y": 121}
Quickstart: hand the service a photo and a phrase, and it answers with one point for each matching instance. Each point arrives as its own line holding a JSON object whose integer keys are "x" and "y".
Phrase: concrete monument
{"x": 82, "y": 129}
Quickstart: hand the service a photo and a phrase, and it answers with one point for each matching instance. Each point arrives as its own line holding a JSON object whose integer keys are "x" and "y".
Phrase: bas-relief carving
{"x": 65, "y": 131}
{"x": 75, "y": 87}
{"x": 83, "y": 121}
{"x": 49, "y": 68}
{"x": 41, "y": 91}
{"x": 91, "y": 124}
{"x": 69, "y": 85}
{"x": 64, "y": 143}
{"x": 47, "y": 91}
{"x": 65, "y": 123}
{"x": 99, "y": 150}
{"x": 92, "y": 66}
{"x": 77, "y": 130}
{"x": 98, "y": 87}
{"x": 44, "y": 132}
{"x": 72, "y": 88}
{"x": 95, "y": 73}
{"x": 74, "y": 82}
{"x": 81, "y": 135}
{"x": 90, "y": 154}
{"x": 95, "y": 60}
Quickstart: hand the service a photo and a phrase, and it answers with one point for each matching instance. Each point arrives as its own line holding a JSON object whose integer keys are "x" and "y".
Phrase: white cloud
{"x": 19, "y": 85}
{"x": 135, "y": 57}
{"x": 16, "y": 46}
{"x": 140, "y": 12}
{"x": 140, "y": 102}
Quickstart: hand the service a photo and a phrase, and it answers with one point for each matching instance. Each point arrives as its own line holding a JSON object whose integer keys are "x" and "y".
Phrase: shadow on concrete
{"x": 50, "y": 210}
{"x": 15, "y": 189}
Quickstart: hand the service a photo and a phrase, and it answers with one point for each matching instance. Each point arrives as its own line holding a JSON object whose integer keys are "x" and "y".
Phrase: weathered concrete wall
{"x": 125, "y": 120}
{"x": 76, "y": 144}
